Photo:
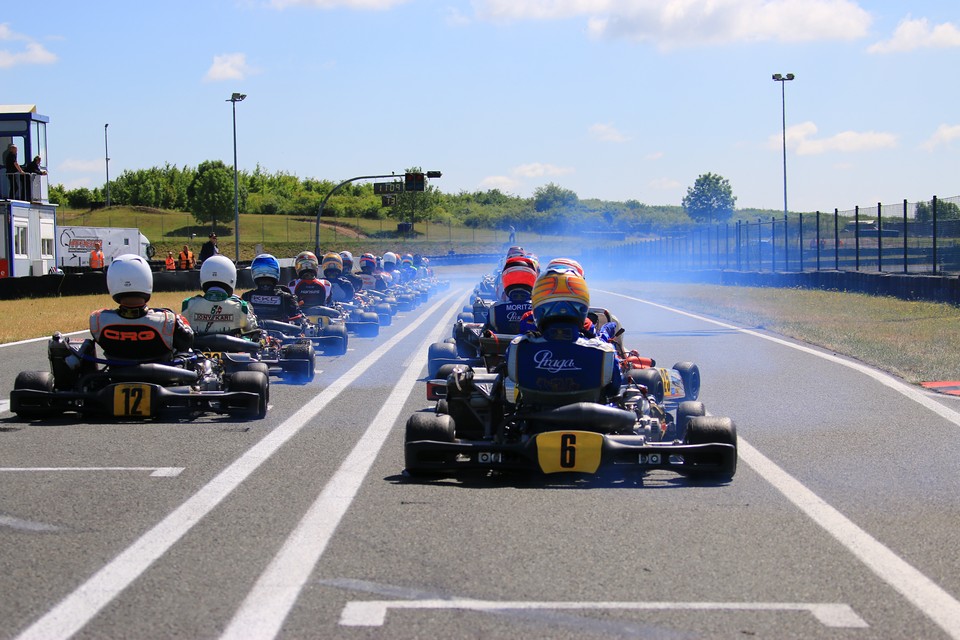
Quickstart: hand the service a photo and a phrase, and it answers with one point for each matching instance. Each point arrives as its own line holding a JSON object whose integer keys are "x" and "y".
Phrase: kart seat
{"x": 587, "y": 416}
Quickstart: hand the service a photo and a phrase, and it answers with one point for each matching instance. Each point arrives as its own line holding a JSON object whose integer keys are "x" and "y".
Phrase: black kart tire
{"x": 690, "y": 374}
{"x": 338, "y": 347}
{"x": 710, "y": 429}
{"x": 650, "y": 378}
{"x": 687, "y": 410}
{"x": 306, "y": 354}
{"x": 254, "y": 382}
{"x": 34, "y": 381}
{"x": 426, "y": 425}
{"x": 437, "y": 355}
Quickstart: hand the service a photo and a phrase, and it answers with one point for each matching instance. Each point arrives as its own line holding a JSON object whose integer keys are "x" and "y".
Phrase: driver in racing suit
{"x": 270, "y": 300}
{"x": 310, "y": 290}
{"x": 516, "y": 281}
{"x": 133, "y": 331}
{"x": 556, "y": 365}
{"x": 217, "y": 310}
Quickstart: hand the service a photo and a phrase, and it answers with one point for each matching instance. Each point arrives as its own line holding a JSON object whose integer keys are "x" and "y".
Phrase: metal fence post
{"x": 800, "y": 240}
{"x": 905, "y": 259}
{"x": 879, "y": 237}
{"x": 773, "y": 245}
{"x": 818, "y": 241}
{"x": 856, "y": 237}
{"x": 836, "y": 239}
{"x": 934, "y": 234}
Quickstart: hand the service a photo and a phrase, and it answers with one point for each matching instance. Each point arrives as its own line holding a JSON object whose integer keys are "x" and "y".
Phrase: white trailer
{"x": 74, "y": 244}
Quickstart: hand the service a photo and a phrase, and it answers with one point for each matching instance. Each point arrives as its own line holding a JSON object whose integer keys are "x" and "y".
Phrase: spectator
{"x": 34, "y": 167}
{"x": 96, "y": 256}
{"x": 12, "y": 167}
{"x": 170, "y": 263}
{"x": 185, "y": 259}
{"x": 209, "y": 248}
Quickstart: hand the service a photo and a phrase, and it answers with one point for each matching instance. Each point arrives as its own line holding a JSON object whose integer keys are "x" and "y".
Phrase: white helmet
{"x": 218, "y": 271}
{"x": 129, "y": 274}
{"x": 389, "y": 258}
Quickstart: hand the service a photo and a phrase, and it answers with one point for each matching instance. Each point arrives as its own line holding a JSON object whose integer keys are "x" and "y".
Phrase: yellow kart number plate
{"x": 212, "y": 355}
{"x": 131, "y": 401}
{"x": 565, "y": 451}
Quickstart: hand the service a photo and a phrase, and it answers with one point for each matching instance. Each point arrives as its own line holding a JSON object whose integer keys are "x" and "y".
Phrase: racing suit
{"x": 353, "y": 279}
{"x": 407, "y": 274}
{"x": 273, "y": 302}
{"x": 505, "y": 317}
{"x": 560, "y": 366}
{"x": 342, "y": 289}
{"x": 140, "y": 334}
{"x": 216, "y": 311}
{"x": 311, "y": 292}
{"x": 373, "y": 281}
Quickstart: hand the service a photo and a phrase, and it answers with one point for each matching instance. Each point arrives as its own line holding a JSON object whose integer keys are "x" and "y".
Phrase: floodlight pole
{"x": 783, "y": 101}
{"x": 234, "y": 99}
{"x": 106, "y": 156}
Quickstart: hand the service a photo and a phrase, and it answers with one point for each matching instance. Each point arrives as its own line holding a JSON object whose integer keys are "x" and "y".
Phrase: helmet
{"x": 332, "y": 262}
{"x": 515, "y": 251}
{"x": 265, "y": 266}
{"x": 560, "y": 296}
{"x": 347, "y": 258}
{"x": 407, "y": 260}
{"x": 558, "y": 265}
{"x": 368, "y": 263}
{"x": 521, "y": 260}
{"x": 129, "y": 274}
{"x": 306, "y": 261}
{"x": 218, "y": 271}
{"x": 516, "y": 282}
{"x": 389, "y": 261}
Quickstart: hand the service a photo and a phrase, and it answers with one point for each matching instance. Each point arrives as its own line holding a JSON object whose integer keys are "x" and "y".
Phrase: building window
{"x": 46, "y": 238}
{"x": 20, "y": 241}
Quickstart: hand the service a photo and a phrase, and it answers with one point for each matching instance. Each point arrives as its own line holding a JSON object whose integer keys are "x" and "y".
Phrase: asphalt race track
{"x": 840, "y": 523}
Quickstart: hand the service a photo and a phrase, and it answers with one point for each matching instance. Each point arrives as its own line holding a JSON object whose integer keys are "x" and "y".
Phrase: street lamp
{"x": 106, "y": 155}
{"x": 783, "y": 98}
{"x": 235, "y": 98}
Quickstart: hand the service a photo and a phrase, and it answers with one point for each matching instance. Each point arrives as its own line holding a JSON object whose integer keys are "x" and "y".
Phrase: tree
{"x": 210, "y": 195}
{"x": 553, "y": 196}
{"x": 710, "y": 199}
{"x": 945, "y": 211}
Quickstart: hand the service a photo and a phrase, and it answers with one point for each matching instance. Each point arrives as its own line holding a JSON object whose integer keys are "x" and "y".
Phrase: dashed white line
{"x": 156, "y": 472}
{"x": 373, "y": 613}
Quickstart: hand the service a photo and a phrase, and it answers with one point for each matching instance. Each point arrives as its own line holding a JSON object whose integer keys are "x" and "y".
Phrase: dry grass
{"x": 918, "y": 341}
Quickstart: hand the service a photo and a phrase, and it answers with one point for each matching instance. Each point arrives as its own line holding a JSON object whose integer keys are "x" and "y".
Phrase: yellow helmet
{"x": 560, "y": 296}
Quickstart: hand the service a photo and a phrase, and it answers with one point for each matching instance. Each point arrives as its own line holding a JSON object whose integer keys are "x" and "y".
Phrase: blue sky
{"x": 614, "y": 99}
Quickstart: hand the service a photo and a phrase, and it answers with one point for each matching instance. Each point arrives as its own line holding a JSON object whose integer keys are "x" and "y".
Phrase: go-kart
{"x": 80, "y": 382}
{"x": 349, "y": 317}
{"x": 475, "y": 425}
{"x": 328, "y": 337}
{"x": 291, "y": 361}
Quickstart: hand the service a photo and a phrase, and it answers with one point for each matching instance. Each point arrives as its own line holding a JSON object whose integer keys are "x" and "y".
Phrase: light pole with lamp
{"x": 106, "y": 155}
{"x": 783, "y": 101}
{"x": 235, "y": 98}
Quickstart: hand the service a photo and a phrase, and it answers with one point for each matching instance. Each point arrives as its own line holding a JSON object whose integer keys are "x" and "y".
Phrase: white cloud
{"x": 944, "y": 134}
{"x": 81, "y": 165}
{"x": 656, "y": 155}
{"x": 606, "y": 133}
{"x": 27, "y": 50}
{"x": 539, "y": 169}
{"x": 672, "y": 23}
{"x": 800, "y": 138}
{"x": 917, "y": 34}
{"x": 375, "y": 5}
{"x": 664, "y": 184}
{"x": 503, "y": 183}
{"x": 229, "y": 66}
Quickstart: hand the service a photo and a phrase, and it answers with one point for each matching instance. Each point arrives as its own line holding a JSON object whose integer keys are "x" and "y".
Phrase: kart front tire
{"x": 304, "y": 355}
{"x": 34, "y": 381}
{"x": 690, "y": 375}
{"x": 650, "y": 378}
{"x": 687, "y": 410}
{"x": 438, "y": 355}
{"x": 339, "y": 347}
{"x": 426, "y": 425}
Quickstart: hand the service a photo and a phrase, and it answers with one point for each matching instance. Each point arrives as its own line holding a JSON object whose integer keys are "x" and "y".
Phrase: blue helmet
{"x": 265, "y": 266}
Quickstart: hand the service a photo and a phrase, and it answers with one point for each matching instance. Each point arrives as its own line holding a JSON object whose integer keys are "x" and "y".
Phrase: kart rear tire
{"x": 710, "y": 429}
{"x": 368, "y": 326}
{"x": 34, "y": 381}
{"x": 426, "y": 425}
{"x": 384, "y": 314}
{"x": 466, "y": 317}
{"x": 687, "y": 410}
{"x": 437, "y": 355}
{"x": 650, "y": 378}
{"x": 339, "y": 347}
{"x": 690, "y": 374}
{"x": 254, "y": 382}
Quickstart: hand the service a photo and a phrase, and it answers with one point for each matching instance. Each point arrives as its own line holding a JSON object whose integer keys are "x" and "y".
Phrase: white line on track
{"x": 83, "y": 604}
{"x": 373, "y": 613}
{"x": 29, "y": 340}
{"x": 269, "y": 602}
{"x": 931, "y": 599}
{"x": 4, "y": 406}
{"x": 156, "y": 472}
